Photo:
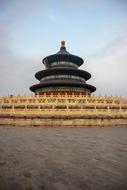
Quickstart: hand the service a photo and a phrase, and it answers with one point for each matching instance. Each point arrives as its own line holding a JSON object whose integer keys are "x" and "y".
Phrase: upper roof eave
{"x": 63, "y": 57}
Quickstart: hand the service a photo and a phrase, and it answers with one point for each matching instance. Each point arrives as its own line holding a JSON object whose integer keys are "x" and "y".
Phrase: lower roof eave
{"x": 36, "y": 87}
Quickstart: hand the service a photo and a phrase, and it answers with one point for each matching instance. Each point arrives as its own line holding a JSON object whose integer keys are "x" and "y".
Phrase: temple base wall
{"x": 63, "y": 110}
{"x": 63, "y": 122}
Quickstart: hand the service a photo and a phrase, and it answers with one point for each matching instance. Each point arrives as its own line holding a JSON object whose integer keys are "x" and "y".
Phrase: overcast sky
{"x": 96, "y": 30}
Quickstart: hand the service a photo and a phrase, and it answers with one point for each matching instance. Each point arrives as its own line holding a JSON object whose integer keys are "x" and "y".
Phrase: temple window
{"x": 32, "y": 107}
{"x": 46, "y": 107}
{"x": 7, "y": 107}
{"x": 74, "y": 107}
{"x": 60, "y": 107}
{"x": 19, "y": 107}
{"x": 63, "y": 77}
{"x": 63, "y": 63}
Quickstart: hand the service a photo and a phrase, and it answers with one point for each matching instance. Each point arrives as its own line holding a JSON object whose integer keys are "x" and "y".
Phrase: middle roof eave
{"x": 62, "y": 71}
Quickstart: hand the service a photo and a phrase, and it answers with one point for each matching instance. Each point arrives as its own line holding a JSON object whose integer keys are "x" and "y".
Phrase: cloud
{"x": 16, "y": 72}
{"x": 109, "y": 68}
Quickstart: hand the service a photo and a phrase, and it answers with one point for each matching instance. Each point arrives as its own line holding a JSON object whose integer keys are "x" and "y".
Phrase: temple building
{"x": 63, "y": 98}
{"x": 62, "y": 74}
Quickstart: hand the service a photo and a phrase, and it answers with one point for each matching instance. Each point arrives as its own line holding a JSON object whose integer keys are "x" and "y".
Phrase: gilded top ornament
{"x": 62, "y": 43}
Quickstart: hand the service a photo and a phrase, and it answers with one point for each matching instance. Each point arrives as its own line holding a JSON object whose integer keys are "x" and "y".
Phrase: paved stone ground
{"x": 63, "y": 158}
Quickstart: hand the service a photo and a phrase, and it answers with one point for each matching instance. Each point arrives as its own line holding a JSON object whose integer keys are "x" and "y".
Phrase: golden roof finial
{"x": 62, "y": 43}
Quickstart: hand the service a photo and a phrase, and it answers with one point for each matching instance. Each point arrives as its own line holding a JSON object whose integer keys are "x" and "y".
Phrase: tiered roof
{"x": 62, "y": 64}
